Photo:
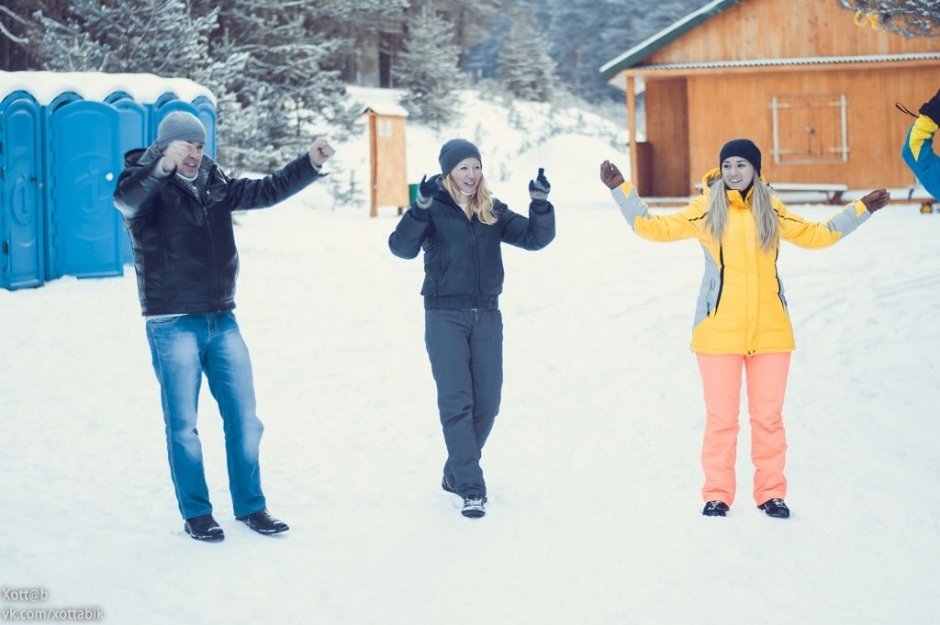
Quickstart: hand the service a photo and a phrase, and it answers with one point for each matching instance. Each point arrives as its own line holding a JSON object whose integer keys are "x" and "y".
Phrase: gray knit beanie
{"x": 455, "y": 151}
{"x": 180, "y": 126}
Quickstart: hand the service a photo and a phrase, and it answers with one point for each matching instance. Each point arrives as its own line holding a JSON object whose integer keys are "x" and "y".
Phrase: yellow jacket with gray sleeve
{"x": 741, "y": 306}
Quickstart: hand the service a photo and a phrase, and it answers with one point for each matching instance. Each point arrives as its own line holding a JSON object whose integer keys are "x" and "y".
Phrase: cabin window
{"x": 809, "y": 128}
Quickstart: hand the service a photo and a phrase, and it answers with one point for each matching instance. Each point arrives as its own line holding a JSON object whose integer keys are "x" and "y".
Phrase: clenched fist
{"x": 320, "y": 152}
{"x": 610, "y": 175}
{"x": 182, "y": 157}
{"x": 876, "y": 200}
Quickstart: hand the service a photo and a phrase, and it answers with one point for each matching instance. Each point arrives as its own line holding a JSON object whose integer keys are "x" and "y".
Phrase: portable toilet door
{"x": 205, "y": 111}
{"x": 85, "y": 231}
{"x": 134, "y": 133}
{"x": 21, "y": 209}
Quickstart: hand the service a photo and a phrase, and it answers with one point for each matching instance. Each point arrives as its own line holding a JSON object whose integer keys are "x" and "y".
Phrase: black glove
{"x": 426, "y": 190}
{"x": 931, "y": 108}
{"x": 539, "y": 188}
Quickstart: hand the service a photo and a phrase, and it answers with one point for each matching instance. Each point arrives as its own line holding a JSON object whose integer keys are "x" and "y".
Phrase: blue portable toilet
{"x": 84, "y": 231}
{"x": 64, "y": 136}
{"x": 21, "y": 213}
{"x": 133, "y": 121}
{"x": 205, "y": 111}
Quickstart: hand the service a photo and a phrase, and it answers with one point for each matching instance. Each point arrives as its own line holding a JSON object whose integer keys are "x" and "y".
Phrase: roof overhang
{"x": 817, "y": 63}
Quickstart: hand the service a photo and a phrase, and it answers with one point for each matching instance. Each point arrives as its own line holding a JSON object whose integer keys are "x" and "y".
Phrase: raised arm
{"x": 249, "y": 193}
{"x": 137, "y": 183}
{"x": 808, "y": 234}
{"x": 538, "y": 230}
{"x": 415, "y": 225}
{"x": 683, "y": 224}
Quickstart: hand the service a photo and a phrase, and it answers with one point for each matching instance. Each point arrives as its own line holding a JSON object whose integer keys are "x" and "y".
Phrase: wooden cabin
{"x": 801, "y": 78}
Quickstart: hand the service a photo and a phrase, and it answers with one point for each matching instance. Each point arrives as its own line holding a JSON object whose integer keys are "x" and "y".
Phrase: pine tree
{"x": 159, "y": 37}
{"x": 355, "y": 27}
{"x": 472, "y": 22}
{"x": 526, "y": 69}
{"x": 264, "y": 65}
{"x": 585, "y": 34}
{"x": 283, "y": 91}
{"x": 428, "y": 69}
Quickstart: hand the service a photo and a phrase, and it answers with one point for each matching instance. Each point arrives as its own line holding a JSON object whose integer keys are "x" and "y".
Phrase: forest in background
{"x": 279, "y": 69}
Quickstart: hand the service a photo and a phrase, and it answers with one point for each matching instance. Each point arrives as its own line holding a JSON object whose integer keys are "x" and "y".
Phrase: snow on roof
{"x": 381, "y": 101}
{"x": 96, "y": 86}
{"x": 807, "y": 60}
{"x": 620, "y": 82}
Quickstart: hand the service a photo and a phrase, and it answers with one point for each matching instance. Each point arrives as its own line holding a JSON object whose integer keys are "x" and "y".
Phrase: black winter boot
{"x": 204, "y": 528}
{"x": 715, "y": 508}
{"x": 775, "y": 508}
{"x": 263, "y": 523}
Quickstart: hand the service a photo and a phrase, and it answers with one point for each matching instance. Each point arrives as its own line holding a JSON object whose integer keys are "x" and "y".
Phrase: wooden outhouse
{"x": 801, "y": 78}
{"x": 388, "y": 180}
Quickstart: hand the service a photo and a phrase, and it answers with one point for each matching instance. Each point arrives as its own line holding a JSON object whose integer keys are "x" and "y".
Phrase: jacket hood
{"x": 710, "y": 176}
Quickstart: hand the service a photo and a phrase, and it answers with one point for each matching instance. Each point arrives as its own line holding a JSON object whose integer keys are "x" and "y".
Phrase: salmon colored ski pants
{"x": 766, "y": 385}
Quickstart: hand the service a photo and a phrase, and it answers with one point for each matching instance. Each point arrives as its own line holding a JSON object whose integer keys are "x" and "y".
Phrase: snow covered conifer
{"x": 526, "y": 69}
{"x": 428, "y": 70}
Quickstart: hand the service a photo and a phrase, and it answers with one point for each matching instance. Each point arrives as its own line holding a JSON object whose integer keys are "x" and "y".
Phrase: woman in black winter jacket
{"x": 460, "y": 226}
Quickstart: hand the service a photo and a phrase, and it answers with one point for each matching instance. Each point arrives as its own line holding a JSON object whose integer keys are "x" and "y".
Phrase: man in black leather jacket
{"x": 177, "y": 204}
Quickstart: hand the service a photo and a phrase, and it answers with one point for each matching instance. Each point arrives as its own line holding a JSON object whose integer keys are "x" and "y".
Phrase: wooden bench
{"x": 831, "y": 191}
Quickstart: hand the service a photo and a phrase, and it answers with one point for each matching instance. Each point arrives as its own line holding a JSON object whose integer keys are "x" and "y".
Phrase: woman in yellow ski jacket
{"x": 741, "y": 320}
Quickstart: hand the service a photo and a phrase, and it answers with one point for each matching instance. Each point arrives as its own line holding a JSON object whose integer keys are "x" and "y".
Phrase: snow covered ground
{"x": 594, "y": 513}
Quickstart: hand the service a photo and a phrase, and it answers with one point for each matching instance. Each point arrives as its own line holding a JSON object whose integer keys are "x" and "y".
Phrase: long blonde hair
{"x": 761, "y": 207}
{"x": 479, "y": 204}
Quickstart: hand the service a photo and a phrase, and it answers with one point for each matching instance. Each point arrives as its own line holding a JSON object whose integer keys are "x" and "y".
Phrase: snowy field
{"x": 594, "y": 513}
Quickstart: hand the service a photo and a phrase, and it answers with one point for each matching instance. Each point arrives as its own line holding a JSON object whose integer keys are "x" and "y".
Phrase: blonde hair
{"x": 761, "y": 207}
{"x": 479, "y": 204}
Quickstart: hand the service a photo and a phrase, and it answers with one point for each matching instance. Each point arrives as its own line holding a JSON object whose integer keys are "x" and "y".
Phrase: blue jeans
{"x": 183, "y": 348}
{"x": 466, "y": 352}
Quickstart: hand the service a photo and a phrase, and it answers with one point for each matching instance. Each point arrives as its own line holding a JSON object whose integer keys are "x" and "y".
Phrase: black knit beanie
{"x": 744, "y": 148}
{"x": 180, "y": 126}
{"x": 455, "y": 151}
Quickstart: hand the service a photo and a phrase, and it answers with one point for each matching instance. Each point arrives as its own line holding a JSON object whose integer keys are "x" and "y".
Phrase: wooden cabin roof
{"x": 666, "y": 36}
{"x": 754, "y": 34}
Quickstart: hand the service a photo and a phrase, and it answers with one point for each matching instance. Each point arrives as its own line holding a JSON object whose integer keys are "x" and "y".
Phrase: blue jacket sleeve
{"x": 412, "y": 229}
{"x": 533, "y": 233}
{"x": 919, "y": 155}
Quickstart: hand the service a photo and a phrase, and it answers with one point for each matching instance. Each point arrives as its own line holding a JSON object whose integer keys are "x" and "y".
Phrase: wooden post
{"x": 373, "y": 166}
{"x": 631, "y": 121}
